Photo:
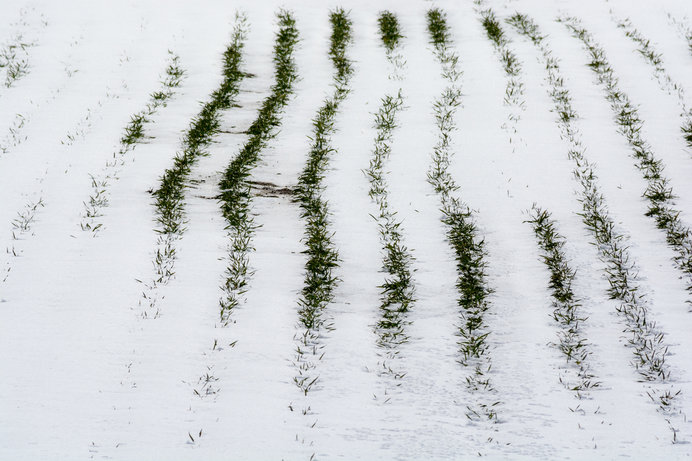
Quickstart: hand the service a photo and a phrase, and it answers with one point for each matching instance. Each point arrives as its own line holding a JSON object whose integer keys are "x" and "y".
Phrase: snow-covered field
{"x": 264, "y": 257}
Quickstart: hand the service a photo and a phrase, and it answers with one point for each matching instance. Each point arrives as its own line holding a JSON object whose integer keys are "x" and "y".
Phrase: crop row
{"x": 170, "y": 196}
{"x": 567, "y": 313}
{"x": 514, "y": 90}
{"x": 397, "y": 292}
{"x": 462, "y": 234}
{"x": 236, "y": 194}
{"x": 133, "y": 135}
{"x": 659, "y": 193}
{"x": 235, "y": 189}
{"x": 322, "y": 256}
{"x": 655, "y": 59}
{"x": 645, "y": 339}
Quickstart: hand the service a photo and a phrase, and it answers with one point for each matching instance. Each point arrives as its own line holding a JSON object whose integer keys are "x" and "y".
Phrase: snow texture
{"x": 85, "y": 376}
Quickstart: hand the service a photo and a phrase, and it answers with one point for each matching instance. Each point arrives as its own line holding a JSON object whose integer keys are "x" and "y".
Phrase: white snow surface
{"x": 84, "y": 376}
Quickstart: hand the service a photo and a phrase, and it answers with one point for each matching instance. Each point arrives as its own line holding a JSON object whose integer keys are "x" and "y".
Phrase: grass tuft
{"x": 390, "y": 32}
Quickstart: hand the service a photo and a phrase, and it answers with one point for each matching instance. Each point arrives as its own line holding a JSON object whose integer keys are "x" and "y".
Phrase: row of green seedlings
{"x": 323, "y": 257}
{"x": 397, "y": 293}
{"x": 514, "y": 90}
{"x": 683, "y": 28}
{"x": 666, "y": 82}
{"x": 14, "y": 55}
{"x": 170, "y": 196}
{"x": 236, "y": 191}
{"x": 643, "y": 337}
{"x": 462, "y": 234}
{"x": 567, "y": 306}
{"x": 134, "y": 134}
{"x": 659, "y": 193}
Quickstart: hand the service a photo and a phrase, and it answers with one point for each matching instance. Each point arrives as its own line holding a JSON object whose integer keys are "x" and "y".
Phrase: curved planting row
{"x": 236, "y": 194}
{"x": 572, "y": 342}
{"x": 514, "y": 90}
{"x": 235, "y": 189}
{"x": 664, "y": 79}
{"x": 463, "y": 237}
{"x": 397, "y": 292}
{"x": 170, "y": 196}
{"x": 133, "y": 135}
{"x": 645, "y": 339}
{"x": 322, "y": 256}
{"x": 659, "y": 193}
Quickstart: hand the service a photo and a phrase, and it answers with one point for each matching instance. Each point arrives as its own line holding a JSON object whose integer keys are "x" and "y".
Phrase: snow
{"x": 86, "y": 377}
